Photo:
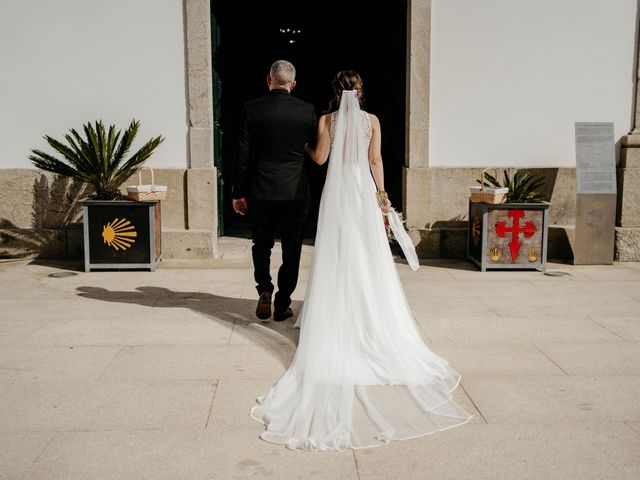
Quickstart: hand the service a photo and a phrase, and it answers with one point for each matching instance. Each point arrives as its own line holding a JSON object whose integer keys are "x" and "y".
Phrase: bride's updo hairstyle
{"x": 345, "y": 80}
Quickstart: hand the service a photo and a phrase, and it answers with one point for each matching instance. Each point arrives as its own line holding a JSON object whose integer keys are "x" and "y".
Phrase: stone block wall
{"x": 437, "y": 214}
{"x": 40, "y": 215}
{"x": 628, "y": 215}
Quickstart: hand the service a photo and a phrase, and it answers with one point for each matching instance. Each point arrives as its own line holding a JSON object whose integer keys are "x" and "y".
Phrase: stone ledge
{"x": 68, "y": 243}
{"x": 189, "y": 244}
{"x": 41, "y": 243}
{"x": 451, "y": 242}
{"x": 631, "y": 140}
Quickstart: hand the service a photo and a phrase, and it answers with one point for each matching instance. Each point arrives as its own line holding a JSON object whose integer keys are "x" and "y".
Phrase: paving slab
{"x": 163, "y": 362}
{"x": 573, "y": 304}
{"x": 243, "y": 362}
{"x": 59, "y": 406}
{"x": 635, "y": 426}
{"x": 19, "y": 451}
{"x": 456, "y": 289}
{"x": 496, "y": 359}
{"x": 43, "y": 309}
{"x": 20, "y": 326}
{"x": 629, "y": 271}
{"x": 14, "y": 340}
{"x": 597, "y": 358}
{"x": 42, "y": 363}
{"x": 274, "y": 335}
{"x": 428, "y": 307}
{"x": 506, "y": 452}
{"x": 197, "y": 362}
{"x": 185, "y": 455}
{"x": 626, "y": 327}
{"x": 555, "y": 398}
{"x": 603, "y": 289}
{"x": 515, "y": 328}
{"x": 177, "y": 327}
{"x": 232, "y": 403}
{"x": 152, "y": 375}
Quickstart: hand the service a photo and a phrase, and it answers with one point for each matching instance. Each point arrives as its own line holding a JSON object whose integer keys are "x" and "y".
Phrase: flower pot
{"x": 508, "y": 236}
{"x": 121, "y": 234}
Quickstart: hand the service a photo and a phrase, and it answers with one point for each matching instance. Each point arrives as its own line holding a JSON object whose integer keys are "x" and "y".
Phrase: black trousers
{"x": 289, "y": 216}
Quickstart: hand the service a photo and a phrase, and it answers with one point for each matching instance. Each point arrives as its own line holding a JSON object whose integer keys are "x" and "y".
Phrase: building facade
{"x": 488, "y": 83}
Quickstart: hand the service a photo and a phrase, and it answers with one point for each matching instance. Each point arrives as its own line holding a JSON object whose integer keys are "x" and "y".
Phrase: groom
{"x": 269, "y": 170}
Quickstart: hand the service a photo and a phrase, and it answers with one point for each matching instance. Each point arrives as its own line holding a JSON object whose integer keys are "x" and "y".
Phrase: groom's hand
{"x": 240, "y": 205}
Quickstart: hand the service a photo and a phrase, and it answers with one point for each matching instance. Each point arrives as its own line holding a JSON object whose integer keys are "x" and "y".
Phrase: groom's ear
{"x": 269, "y": 80}
{"x": 293, "y": 85}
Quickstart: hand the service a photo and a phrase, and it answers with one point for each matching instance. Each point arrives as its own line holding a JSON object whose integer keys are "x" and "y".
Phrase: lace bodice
{"x": 366, "y": 123}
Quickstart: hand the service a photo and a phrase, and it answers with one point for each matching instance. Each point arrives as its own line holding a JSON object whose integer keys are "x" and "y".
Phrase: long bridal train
{"x": 361, "y": 375}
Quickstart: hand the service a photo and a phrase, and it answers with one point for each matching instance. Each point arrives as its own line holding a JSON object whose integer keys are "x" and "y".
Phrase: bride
{"x": 361, "y": 375}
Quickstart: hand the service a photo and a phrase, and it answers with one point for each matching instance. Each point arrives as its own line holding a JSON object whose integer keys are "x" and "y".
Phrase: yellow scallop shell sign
{"x": 119, "y": 234}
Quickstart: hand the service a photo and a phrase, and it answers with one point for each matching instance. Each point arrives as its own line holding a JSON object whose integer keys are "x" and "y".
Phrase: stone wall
{"x": 437, "y": 213}
{"x": 40, "y": 215}
{"x": 628, "y": 217}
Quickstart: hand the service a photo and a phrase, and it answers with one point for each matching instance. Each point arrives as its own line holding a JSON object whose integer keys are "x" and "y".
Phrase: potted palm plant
{"x": 513, "y": 234}
{"x": 118, "y": 233}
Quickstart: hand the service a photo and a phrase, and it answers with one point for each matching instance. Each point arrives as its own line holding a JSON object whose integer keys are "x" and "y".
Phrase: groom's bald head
{"x": 282, "y": 75}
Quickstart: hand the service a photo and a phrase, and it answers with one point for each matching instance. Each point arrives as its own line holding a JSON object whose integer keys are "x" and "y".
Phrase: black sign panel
{"x": 119, "y": 234}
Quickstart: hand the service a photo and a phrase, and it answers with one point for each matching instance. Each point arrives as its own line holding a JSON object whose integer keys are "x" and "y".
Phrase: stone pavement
{"x": 138, "y": 375}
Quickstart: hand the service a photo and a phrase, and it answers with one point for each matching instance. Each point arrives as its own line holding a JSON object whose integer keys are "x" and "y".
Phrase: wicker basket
{"x": 145, "y": 193}
{"x": 492, "y": 195}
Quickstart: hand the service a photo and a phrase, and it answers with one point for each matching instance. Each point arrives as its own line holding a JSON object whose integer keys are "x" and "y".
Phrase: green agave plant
{"x": 97, "y": 159}
{"x": 523, "y": 187}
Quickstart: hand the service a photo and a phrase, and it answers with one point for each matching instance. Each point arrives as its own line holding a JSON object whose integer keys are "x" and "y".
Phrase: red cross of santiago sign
{"x": 516, "y": 229}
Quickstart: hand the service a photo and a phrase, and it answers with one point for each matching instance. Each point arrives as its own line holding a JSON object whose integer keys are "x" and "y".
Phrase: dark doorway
{"x": 319, "y": 38}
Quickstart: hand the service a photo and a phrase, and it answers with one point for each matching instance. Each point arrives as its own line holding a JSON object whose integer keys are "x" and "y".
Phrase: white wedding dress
{"x": 361, "y": 375}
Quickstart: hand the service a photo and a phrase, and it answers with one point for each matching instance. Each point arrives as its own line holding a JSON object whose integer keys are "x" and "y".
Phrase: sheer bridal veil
{"x": 361, "y": 375}
{"x": 351, "y": 147}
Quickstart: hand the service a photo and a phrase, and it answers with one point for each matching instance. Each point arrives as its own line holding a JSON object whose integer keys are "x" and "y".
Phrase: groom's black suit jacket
{"x": 269, "y": 161}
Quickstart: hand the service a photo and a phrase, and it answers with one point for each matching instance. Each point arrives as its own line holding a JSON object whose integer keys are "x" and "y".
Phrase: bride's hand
{"x": 383, "y": 201}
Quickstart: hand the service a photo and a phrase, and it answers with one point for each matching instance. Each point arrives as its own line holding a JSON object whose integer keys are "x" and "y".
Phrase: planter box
{"x": 121, "y": 234}
{"x": 508, "y": 235}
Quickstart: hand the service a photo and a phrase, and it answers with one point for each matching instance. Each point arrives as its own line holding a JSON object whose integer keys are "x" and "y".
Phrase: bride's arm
{"x": 321, "y": 153}
{"x": 375, "y": 158}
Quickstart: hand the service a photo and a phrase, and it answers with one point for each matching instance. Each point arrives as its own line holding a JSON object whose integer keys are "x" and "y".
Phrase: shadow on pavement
{"x": 277, "y": 338}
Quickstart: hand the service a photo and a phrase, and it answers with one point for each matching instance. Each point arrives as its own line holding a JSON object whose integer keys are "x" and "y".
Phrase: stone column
{"x": 199, "y": 83}
{"x": 416, "y": 174}
{"x": 628, "y": 217}
{"x": 198, "y": 239}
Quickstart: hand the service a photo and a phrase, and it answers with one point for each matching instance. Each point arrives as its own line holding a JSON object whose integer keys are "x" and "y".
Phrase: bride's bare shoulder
{"x": 324, "y": 121}
{"x": 375, "y": 123}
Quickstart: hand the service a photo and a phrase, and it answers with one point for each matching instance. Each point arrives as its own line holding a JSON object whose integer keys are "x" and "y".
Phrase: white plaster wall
{"x": 510, "y": 77}
{"x": 67, "y": 62}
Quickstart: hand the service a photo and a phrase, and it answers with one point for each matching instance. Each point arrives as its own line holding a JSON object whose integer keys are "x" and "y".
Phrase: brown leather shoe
{"x": 280, "y": 316}
{"x": 263, "y": 310}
